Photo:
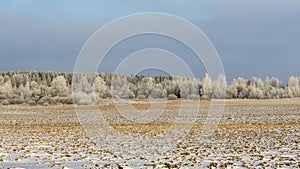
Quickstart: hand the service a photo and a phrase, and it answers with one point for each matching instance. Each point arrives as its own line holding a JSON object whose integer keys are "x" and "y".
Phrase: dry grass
{"x": 251, "y": 134}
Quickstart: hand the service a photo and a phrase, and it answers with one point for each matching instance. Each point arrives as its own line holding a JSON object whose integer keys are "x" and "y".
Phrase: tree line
{"x": 44, "y": 88}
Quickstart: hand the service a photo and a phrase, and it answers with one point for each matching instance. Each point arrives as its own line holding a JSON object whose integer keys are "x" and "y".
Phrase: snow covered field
{"x": 251, "y": 134}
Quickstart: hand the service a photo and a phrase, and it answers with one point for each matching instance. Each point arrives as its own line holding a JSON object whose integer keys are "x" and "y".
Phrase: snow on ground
{"x": 251, "y": 134}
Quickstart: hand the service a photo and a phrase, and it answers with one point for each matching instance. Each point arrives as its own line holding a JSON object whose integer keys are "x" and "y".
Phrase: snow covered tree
{"x": 1, "y": 80}
{"x": 256, "y": 88}
{"x": 35, "y": 88}
{"x": 206, "y": 90}
{"x": 85, "y": 85}
{"x": 293, "y": 87}
{"x": 231, "y": 92}
{"x": 257, "y": 82}
{"x": 59, "y": 87}
{"x": 241, "y": 86}
{"x": 219, "y": 88}
{"x": 188, "y": 87}
{"x": 54, "y": 88}
{"x": 170, "y": 86}
{"x": 273, "y": 88}
{"x": 276, "y": 83}
{"x": 158, "y": 92}
{"x": 119, "y": 86}
{"x": 25, "y": 91}
{"x": 145, "y": 87}
{"x": 100, "y": 87}
{"x": 6, "y": 90}
{"x": 255, "y": 93}
{"x": 183, "y": 87}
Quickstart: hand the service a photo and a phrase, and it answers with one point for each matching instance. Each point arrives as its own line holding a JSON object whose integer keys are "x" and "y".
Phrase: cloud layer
{"x": 253, "y": 38}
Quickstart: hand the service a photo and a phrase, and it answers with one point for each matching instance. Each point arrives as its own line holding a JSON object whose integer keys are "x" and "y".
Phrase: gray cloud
{"x": 253, "y": 38}
{"x": 257, "y": 39}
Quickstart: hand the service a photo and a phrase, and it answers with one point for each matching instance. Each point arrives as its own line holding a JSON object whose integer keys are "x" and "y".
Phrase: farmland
{"x": 251, "y": 133}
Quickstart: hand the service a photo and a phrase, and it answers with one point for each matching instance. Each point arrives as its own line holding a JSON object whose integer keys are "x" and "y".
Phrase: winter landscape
{"x": 149, "y": 84}
{"x": 52, "y": 132}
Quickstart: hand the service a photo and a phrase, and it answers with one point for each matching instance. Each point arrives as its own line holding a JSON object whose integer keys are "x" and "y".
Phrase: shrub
{"x": 193, "y": 97}
{"x": 172, "y": 97}
{"x": 82, "y": 98}
{"x": 141, "y": 97}
{"x": 5, "y": 102}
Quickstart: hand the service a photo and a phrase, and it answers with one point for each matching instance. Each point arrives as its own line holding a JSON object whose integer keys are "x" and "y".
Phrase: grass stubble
{"x": 251, "y": 133}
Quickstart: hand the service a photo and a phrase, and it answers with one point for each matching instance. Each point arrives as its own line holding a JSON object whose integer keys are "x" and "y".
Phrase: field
{"x": 250, "y": 134}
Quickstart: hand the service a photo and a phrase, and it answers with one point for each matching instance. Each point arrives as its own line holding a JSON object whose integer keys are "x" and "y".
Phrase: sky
{"x": 252, "y": 37}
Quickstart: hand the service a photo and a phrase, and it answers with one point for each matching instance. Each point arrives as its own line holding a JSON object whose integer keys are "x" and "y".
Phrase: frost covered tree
{"x": 255, "y": 93}
{"x": 255, "y": 88}
{"x": 100, "y": 87}
{"x": 59, "y": 87}
{"x": 6, "y": 90}
{"x": 257, "y": 82}
{"x": 293, "y": 87}
{"x": 206, "y": 90}
{"x": 1, "y": 80}
{"x": 158, "y": 92}
{"x": 25, "y": 91}
{"x": 184, "y": 87}
{"x": 119, "y": 86}
{"x": 188, "y": 87}
{"x": 145, "y": 87}
{"x": 85, "y": 85}
{"x": 54, "y": 88}
{"x": 171, "y": 87}
{"x": 231, "y": 92}
{"x": 276, "y": 83}
{"x": 240, "y": 84}
{"x": 35, "y": 88}
{"x": 219, "y": 88}
{"x": 273, "y": 88}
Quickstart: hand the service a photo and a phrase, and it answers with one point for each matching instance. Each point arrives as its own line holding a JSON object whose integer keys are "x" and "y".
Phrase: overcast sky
{"x": 253, "y": 37}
